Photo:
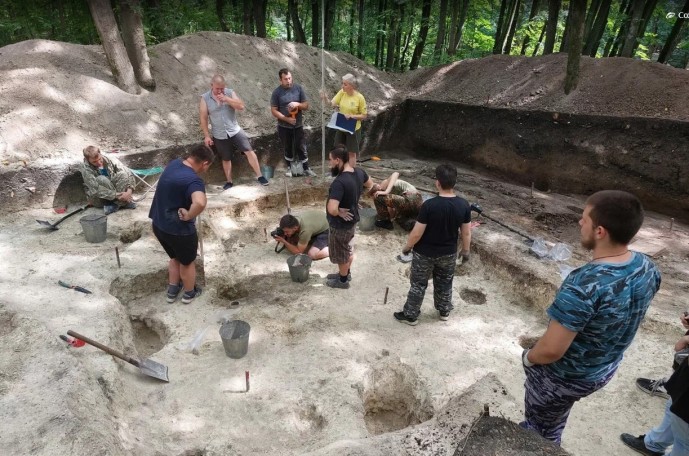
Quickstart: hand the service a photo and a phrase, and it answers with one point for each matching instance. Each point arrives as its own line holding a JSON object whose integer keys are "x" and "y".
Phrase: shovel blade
{"x": 154, "y": 369}
{"x": 47, "y": 224}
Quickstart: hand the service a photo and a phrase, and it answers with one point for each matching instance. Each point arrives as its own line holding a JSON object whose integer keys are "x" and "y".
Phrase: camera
{"x": 277, "y": 232}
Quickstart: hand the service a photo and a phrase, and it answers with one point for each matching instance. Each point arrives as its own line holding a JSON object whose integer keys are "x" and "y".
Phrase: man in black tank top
{"x": 434, "y": 240}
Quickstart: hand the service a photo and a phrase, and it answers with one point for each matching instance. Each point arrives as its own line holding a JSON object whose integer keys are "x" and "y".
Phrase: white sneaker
{"x": 288, "y": 174}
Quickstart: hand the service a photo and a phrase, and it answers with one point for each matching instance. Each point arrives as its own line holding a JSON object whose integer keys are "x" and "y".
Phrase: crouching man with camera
{"x": 306, "y": 231}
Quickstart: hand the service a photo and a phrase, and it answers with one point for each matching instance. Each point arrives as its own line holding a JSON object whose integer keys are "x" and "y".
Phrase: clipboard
{"x": 339, "y": 122}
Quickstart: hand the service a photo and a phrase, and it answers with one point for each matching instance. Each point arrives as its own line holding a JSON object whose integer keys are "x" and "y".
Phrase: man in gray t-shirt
{"x": 286, "y": 104}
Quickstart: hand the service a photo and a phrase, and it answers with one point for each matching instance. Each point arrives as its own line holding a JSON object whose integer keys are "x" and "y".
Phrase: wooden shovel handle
{"x": 104, "y": 348}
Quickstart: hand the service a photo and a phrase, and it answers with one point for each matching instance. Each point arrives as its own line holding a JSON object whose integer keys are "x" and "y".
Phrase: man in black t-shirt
{"x": 434, "y": 240}
{"x": 343, "y": 213}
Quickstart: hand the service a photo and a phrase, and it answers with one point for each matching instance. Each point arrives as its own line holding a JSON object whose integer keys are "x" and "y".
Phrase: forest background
{"x": 393, "y": 35}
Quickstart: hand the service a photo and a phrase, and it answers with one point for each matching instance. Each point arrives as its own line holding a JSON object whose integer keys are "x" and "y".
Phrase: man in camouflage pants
{"x": 396, "y": 199}
{"x": 107, "y": 182}
{"x": 434, "y": 240}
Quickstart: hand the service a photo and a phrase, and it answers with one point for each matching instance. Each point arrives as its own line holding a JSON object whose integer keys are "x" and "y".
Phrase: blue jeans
{"x": 672, "y": 431}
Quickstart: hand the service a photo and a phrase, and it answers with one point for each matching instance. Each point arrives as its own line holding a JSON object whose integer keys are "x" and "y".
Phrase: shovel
{"x": 145, "y": 365}
{"x": 53, "y": 226}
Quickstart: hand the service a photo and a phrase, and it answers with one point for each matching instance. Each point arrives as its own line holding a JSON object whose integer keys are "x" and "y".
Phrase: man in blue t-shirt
{"x": 179, "y": 198}
{"x": 343, "y": 213}
{"x": 594, "y": 316}
{"x": 434, "y": 240}
{"x": 286, "y": 104}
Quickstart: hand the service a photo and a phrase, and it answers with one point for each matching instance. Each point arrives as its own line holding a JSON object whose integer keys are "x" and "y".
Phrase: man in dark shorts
{"x": 220, "y": 106}
{"x": 311, "y": 227}
{"x": 179, "y": 198}
{"x": 286, "y": 104}
{"x": 434, "y": 240}
{"x": 343, "y": 213}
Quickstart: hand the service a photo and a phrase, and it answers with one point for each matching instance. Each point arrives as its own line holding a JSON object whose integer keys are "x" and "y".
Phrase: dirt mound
{"x": 612, "y": 87}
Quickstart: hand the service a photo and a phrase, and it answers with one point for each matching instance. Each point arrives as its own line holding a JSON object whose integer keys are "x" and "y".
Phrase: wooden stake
{"x": 246, "y": 373}
{"x": 117, "y": 254}
{"x": 672, "y": 222}
{"x": 531, "y": 189}
{"x": 385, "y": 299}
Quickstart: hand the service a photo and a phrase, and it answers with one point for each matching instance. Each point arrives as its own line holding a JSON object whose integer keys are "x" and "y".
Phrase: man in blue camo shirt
{"x": 594, "y": 316}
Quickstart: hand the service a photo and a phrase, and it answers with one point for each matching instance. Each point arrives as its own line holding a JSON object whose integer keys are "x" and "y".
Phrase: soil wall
{"x": 564, "y": 153}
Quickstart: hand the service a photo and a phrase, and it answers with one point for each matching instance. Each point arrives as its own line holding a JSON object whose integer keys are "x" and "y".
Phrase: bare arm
{"x": 414, "y": 236}
{"x": 390, "y": 183}
{"x": 233, "y": 101}
{"x": 198, "y": 204}
{"x": 553, "y": 345}
{"x": 293, "y": 249}
{"x": 465, "y": 232}
{"x": 203, "y": 120}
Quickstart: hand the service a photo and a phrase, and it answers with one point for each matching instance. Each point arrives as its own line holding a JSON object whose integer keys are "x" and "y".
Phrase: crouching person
{"x": 107, "y": 182}
{"x": 311, "y": 231}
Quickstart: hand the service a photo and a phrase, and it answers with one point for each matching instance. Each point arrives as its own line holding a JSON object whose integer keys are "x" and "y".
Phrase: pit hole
{"x": 310, "y": 418}
{"x": 132, "y": 232}
{"x": 394, "y": 398}
{"x": 147, "y": 336}
{"x": 471, "y": 296}
{"x": 557, "y": 221}
{"x": 6, "y": 323}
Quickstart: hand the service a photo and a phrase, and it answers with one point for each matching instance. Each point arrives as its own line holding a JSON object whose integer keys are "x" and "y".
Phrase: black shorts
{"x": 225, "y": 147}
{"x": 320, "y": 241}
{"x": 180, "y": 248}
{"x": 350, "y": 140}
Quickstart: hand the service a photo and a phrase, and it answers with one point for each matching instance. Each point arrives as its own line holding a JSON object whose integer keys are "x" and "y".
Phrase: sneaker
{"x": 335, "y": 283}
{"x": 637, "y": 444}
{"x": 444, "y": 316}
{"x": 386, "y": 224}
{"x": 110, "y": 208}
{"x": 288, "y": 174}
{"x": 309, "y": 172}
{"x": 190, "y": 295}
{"x": 131, "y": 205}
{"x": 262, "y": 180}
{"x": 399, "y": 316}
{"x": 337, "y": 276}
{"x": 227, "y": 186}
{"x": 652, "y": 387}
{"x": 172, "y": 292}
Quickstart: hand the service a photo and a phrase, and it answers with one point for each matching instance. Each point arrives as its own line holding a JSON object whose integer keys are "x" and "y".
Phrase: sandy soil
{"x": 331, "y": 371}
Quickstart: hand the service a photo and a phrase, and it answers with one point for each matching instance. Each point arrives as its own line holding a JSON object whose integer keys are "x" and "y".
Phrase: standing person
{"x": 343, "y": 213}
{"x": 286, "y": 104}
{"x": 594, "y": 316}
{"x": 434, "y": 240}
{"x": 179, "y": 198}
{"x": 107, "y": 182}
{"x": 220, "y": 106}
{"x": 396, "y": 199}
{"x": 352, "y": 104}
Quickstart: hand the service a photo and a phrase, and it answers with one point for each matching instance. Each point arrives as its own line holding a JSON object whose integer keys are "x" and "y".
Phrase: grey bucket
{"x": 299, "y": 266}
{"x": 367, "y": 219}
{"x": 267, "y": 171}
{"x": 235, "y": 338}
{"x": 95, "y": 227}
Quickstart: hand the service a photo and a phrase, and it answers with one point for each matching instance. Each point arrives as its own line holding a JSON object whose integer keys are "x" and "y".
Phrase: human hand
{"x": 208, "y": 141}
{"x": 379, "y": 193}
{"x": 290, "y": 120}
{"x": 682, "y": 343}
{"x": 280, "y": 240}
{"x": 348, "y": 116}
{"x": 525, "y": 358}
{"x": 345, "y": 214}
{"x": 685, "y": 319}
{"x": 465, "y": 254}
{"x": 293, "y": 106}
{"x": 183, "y": 214}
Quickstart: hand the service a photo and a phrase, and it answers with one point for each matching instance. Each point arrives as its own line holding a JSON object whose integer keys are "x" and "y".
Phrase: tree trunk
{"x": 514, "y": 18}
{"x": 260, "y": 18}
{"x": 440, "y": 39}
{"x": 540, "y": 39}
{"x": 633, "y": 29}
{"x": 380, "y": 34}
{"x": 591, "y": 16}
{"x": 246, "y": 17}
{"x": 352, "y": 11}
{"x": 460, "y": 24}
{"x": 499, "y": 33}
{"x": 564, "y": 44}
{"x": 219, "y": 4}
{"x": 360, "y": 36}
{"x": 532, "y": 15}
{"x": 299, "y": 35}
{"x": 135, "y": 42}
{"x": 645, "y": 17}
{"x": 122, "y": 71}
{"x": 597, "y": 29}
{"x": 673, "y": 37}
{"x": 454, "y": 18}
{"x": 577, "y": 12}
{"x": 407, "y": 40}
{"x": 315, "y": 22}
{"x": 551, "y": 29}
{"x": 622, "y": 32}
{"x": 397, "y": 64}
{"x": 392, "y": 39}
{"x": 330, "y": 7}
{"x": 423, "y": 33}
